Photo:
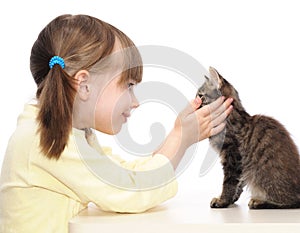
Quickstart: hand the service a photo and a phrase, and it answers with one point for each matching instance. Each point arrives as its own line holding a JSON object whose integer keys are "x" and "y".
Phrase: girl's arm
{"x": 193, "y": 125}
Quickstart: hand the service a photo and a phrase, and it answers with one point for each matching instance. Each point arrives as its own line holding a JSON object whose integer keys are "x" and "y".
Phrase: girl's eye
{"x": 130, "y": 85}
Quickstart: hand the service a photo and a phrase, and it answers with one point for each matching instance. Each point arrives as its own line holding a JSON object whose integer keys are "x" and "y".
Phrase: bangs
{"x": 132, "y": 66}
{"x": 132, "y": 60}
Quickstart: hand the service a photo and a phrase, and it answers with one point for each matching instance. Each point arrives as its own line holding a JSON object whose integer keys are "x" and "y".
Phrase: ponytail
{"x": 55, "y": 115}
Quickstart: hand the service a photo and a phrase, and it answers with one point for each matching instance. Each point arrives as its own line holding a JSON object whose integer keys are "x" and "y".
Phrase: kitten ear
{"x": 215, "y": 76}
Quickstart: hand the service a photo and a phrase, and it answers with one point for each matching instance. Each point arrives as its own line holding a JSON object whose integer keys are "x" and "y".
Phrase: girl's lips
{"x": 126, "y": 114}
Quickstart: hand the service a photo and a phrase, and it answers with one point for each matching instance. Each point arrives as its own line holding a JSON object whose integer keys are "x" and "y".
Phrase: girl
{"x": 85, "y": 70}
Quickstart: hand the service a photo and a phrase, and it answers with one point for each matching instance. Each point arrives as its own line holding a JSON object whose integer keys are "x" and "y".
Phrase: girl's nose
{"x": 134, "y": 101}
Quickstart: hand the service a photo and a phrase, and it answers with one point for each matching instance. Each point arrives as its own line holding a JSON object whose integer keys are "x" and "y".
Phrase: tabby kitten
{"x": 256, "y": 151}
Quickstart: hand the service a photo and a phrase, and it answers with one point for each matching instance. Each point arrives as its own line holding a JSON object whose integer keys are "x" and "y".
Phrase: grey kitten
{"x": 256, "y": 151}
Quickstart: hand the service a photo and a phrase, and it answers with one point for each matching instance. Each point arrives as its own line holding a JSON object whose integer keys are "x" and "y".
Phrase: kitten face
{"x": 208, "y": 92}
{"x": 214, "y": 87}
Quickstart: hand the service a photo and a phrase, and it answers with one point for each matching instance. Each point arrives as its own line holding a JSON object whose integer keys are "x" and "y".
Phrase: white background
{"x": 253, "y": 44}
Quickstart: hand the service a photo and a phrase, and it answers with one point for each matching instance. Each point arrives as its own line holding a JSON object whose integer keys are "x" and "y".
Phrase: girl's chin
{"x": 117, "y": 128}
{"x": 113, "y": 131}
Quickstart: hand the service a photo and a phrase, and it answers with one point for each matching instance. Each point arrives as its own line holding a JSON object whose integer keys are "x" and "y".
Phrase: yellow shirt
{"x": 41, "y": 195}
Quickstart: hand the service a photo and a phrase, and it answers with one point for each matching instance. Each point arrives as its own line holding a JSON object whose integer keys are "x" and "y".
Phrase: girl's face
{"x": 113, "y": 106}
{"x": 103, "y": 102}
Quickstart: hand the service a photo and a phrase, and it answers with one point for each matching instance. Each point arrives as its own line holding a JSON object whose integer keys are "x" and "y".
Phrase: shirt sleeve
{"x": 86, "y": 174}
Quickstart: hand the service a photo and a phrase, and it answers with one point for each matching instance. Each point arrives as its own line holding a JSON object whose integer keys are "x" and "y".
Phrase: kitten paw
{"x": 259, "y": 204}
{"x": 218, "y": 203}
{"x": 256, "y": 204}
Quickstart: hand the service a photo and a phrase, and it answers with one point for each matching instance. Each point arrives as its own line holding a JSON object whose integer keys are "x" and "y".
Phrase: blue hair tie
{"x": 56, "y": 60}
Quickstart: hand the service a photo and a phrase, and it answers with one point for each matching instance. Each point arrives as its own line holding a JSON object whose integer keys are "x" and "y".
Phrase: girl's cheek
{"x": 124, "y": 98}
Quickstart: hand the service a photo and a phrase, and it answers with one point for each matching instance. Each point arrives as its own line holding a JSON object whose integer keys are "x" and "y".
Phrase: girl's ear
{"x": 82, "y": 84}
{"x": 215, "y": 76}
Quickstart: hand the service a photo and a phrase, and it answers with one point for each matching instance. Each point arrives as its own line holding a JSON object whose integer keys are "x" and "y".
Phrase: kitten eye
{"x": 201, "y": 97}
{"x": 204, "y": 101}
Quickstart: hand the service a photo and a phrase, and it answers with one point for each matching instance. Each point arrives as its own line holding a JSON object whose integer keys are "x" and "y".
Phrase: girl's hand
{"x": 193, "y": 125}
{"x": 196, "y": 124}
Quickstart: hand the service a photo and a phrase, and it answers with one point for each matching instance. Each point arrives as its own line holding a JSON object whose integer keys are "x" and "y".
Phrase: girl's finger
{"x": 217, "y": 129}
{"x": 221, "y": 109}
{"x": 222, "y": 117}
{"x": 216, "y": 104}
{"x": 192, "y": 107}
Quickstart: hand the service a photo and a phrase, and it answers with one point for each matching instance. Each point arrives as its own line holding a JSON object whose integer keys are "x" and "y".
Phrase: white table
{"x": 189, "y": 212}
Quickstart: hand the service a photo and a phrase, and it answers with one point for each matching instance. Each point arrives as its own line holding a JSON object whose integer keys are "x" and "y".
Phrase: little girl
{"x": 85, "y": 70}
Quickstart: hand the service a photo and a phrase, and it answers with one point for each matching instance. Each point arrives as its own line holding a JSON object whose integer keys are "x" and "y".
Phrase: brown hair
{"x": 83, "y": 42}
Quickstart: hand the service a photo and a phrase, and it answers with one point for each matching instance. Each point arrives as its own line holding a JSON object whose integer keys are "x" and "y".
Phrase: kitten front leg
{"x": 239, "y": 191}
{"x": 229, "y": 195}
{"x": 232, "y": 186}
